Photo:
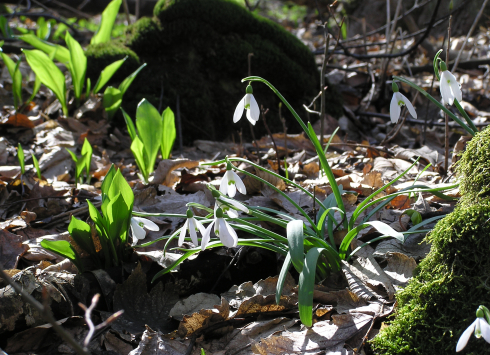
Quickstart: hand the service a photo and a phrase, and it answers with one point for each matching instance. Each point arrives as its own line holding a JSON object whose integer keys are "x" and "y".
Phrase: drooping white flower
{"x": 450, "y": 88}
{"x": 137, "y": 228}
{"x": 479, "y": 327}
{"x": 231, "y": 212}
{"x": 231, "y": 182}
{"x": 222, "y": 229}
{"x": 397, "y": 101}
{"x": 249, "y": 104}
{"x": 194, "y": 226}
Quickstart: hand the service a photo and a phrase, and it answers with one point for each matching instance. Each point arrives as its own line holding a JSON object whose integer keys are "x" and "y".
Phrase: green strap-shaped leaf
{"x": 36, "y": 165}
{"x": 296, "y": 243}
{"x": 49, "y": 74}
{"x": 43, "y": 28}
{"x": 306, "y": 286}
{"x": 169, "y": 132}
{"x": 87, "y": 158}
{"x": 119, "y": 185}
{"x": 104, "y": 31}
{"x": 107, "y": 73}
{"x": 16, "y": 76}
{"x": 63, "y": 248}
{"x": 149, "y": 125}
{"x": 129, "y": 124}
{"x": 127, "y": 82}
{"x": 78, "y": 64}
{"x": 112, "y": 101}
{"x": 81, "y": 234}
{"x": 138, "y": 150}
{"x": 61, "y": 54}
{"x": 383, "y": 228}
{"x": 20, "y": 157}
{"x": 282, "y": 277}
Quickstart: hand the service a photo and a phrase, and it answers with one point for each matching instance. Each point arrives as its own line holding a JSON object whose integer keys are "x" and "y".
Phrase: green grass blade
{"x": 104, "y": 31}
{"x": 127, "y": 82}
{"x": 49, "y": 74}
{"x": 282, "y": 277}
{"x": 129, "y": 124}
{"x": 306, "y": 286}
{"x": 295, "y": 236}
{"x": 169, "y": 132}
{"x": 107, "y": 74}
{"x": 20, "y": 157}
{"x": 149, "y": 125}
{"x": 78, "y": 64}
{"x": 36, "y": 165}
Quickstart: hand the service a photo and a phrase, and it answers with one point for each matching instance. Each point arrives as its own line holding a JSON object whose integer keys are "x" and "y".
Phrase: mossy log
{"x": 198, "y": 50}
{"x": 440, "y": 302}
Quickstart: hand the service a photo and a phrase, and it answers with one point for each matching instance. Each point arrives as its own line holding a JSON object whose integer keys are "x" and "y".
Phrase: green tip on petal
{"x": 215, "y": 193}
{"x": 443, "y": 66}
{"x": 219, "y": 213}
{"x": 479, "y": 312}
{"x": 189, "y": 213}
{"x": 394, "y": 87}
{"x": 249, "y": 89}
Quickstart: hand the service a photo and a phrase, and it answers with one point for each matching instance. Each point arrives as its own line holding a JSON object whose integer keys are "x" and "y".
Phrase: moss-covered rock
{"x": 197, "y": 50}
{"x": 474, "y": 168}
{"x": 440, "y": 302}
{"x": 102, "y": 54}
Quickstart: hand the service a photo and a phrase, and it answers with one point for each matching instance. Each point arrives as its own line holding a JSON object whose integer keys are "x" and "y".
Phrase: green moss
{"x": 452, "y": 281}
{"x": 474, "y": 168}
{"x": 197, "y": 51}
{"x": 101, "y": 55}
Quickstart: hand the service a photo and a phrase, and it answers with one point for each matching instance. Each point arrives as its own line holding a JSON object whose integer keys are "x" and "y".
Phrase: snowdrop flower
{"x": 397, "y": 101}
{"x": 222, "y": 229}
{"x": 193, "y": 225}
{"x": 449, "y": 86}
{"x": 249, "y": 104}
{"x": 231, "y": 182}
{"x": 479, "y": 327}
{"x": 231, "y": 212}
{"x": 137, "y": 228}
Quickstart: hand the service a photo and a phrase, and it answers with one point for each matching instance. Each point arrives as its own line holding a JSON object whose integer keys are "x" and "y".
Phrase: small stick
{"x": 249, "y": 60}
{"x": 126, "y": 11}
{"x": 263, "y": 112}
{"x": 46, "y": 312}
{"x": 322, "y": 83}
{"x": 446, "y": 118}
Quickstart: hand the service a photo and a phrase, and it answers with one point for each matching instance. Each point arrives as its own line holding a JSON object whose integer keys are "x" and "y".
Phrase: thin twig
{"x": 263, "y": 112}
{"x": 46, "y": 312}
{"x": 446, "y": 118}
{"x": 455, "y": 66}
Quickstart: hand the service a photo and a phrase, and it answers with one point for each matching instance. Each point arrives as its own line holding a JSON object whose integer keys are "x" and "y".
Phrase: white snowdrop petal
{"x": 463, "y": 339}
{"x": 485, "y": 330}
{"x": 231, "y": 190}
{"x": 411, "y": 109}
{"x": 232, "y": 234}
{"x": 232, "y": 213}
{"x": 192, "y": 231}
{"x": 137, "y": 230}
{"x": 394, "y": 109}
{"x": 223, "y": 186}
{"x": 239, "y": 110}
{"x": 200, "y": 226}
{"x": 254, "y": 109}
{"x": 150, "y": 225}
{"x": 182, "y": 234}
{"x": 456, "y": 90}
{"x": 207, "y": 235}
{"x": 240, "y": 185}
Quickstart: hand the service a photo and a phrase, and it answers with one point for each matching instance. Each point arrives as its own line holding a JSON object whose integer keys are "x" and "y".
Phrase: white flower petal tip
{"x": 249, "y": 104}
{"x": 230, "y": 183}
{"x": 397, "y": 101}
{"x": 138, "y": 226}
{"x": 479, "y": 327}
{"x": 450, "y": 88}
{"x": 193, "y": 226}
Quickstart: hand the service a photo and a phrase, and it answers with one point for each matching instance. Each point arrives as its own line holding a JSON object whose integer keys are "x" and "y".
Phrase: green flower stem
{"x": 417, "y": 188}
{"x": 360, "y": 207}
{"x": 437, "y": 103}
{"x": 326, "y": 167}
{"x": 465, "y": 115}
{"x": 267, "y": 232}
{"x": 171, "y": 215}
{"x": 285, "y": 196}
{"x": 223, "y": 161}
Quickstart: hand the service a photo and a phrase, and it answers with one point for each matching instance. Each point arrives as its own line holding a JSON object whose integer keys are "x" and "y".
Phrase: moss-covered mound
{"x": 474, "y": 168}
{"x": 452, "y": 281}
{"x": 197, "y": 50}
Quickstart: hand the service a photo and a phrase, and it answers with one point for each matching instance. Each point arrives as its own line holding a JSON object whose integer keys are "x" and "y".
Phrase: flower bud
{"x": 249, "y": 89}
{"x": 394, "y": 87}
{"x": 443, "y": 66}
{"x": 229, "y": 166}
{"x": 189, "y": 213}
{"x": 219, "y": 213}
{"x": 480, "y": 313}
